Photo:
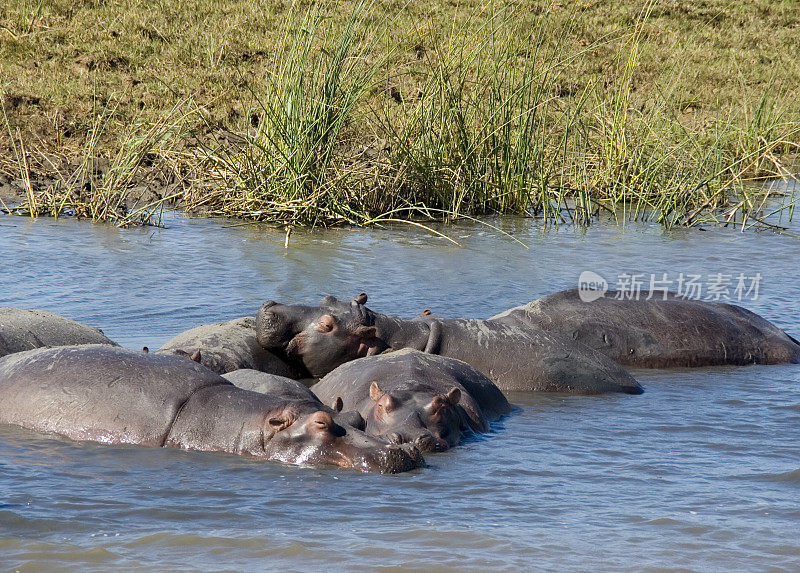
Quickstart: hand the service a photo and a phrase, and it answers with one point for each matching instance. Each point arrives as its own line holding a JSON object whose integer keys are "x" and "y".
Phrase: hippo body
{"x": 228, "y": 346}
{"x": 117, "y": 396}
{"x": 412, "y": 397}
{"x": 659, "y": 333}
{"x": 514, "y": 357}
{"x": 22, "y": 329}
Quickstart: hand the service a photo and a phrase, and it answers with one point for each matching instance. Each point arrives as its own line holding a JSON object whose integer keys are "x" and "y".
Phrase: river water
{"x": 701, "y": 472}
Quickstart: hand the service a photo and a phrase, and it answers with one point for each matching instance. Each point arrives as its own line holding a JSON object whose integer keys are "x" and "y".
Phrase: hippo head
{"x": 318, "y": 338}
{"x": 416, "y": 414}
{"x": 315, "y": 438}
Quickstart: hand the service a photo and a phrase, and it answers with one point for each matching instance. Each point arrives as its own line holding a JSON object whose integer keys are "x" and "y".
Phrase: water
{"x": 702, "y": 472}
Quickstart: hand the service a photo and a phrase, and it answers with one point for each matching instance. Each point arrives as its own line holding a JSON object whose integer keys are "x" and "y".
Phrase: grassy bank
{"x": 332, "y": 113}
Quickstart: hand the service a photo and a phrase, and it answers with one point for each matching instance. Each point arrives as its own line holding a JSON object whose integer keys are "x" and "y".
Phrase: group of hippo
{"x": 385, "y": 389}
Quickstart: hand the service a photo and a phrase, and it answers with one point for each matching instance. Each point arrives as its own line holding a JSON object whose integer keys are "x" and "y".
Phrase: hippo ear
{"x": 426, "y": 312}
{"x": 196, "y": 356}
{"x": 453, "y": 397}
{"x": 325, "y": 323}
{"x": 145, "y": 350}
{"x": 375, "y": 392}
{"x": 337, "y": 404}
{"x": 360, "y": 298}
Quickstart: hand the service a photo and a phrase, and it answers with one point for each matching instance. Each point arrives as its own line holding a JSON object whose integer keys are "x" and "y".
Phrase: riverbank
{"x": 356, "y": 114}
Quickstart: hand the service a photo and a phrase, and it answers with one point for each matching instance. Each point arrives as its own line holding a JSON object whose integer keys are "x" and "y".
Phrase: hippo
{"x": 227, "y": 346}
{"x": 408, "y": 396}
{"x": 116, "y": 396}
{"x": 22, "y": 329}
{"x": 264, "y": 383}
{"x": 663, "y": 332}
{"x": 514, "y": 357}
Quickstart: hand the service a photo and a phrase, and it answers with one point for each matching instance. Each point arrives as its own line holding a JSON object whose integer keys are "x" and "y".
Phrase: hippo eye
{"x": 387, "y": 404}
{"x": 325, "y": 323}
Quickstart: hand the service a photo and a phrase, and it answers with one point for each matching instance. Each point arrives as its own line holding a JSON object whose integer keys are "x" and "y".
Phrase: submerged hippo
{"x": 117, "y": 396}
{"x": 22, "y": 329}
{"x": 271, "y": 384}
{"x": 659, "y": 333}
{"x": 516, "y": 358}
{"x": 265, "y": 383}
{"x": 228, "y": 346}
{"x": 412, "y": 397}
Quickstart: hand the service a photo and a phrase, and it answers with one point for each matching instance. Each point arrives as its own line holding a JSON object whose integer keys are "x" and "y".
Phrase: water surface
{"x": 701, "y": 472}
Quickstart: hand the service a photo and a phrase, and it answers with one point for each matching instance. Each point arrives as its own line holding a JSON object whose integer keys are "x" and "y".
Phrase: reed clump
{"x": 290, "y": 164}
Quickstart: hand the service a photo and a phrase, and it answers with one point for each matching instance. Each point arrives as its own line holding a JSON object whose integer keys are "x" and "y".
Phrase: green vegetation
{"x": 330, "y": 113}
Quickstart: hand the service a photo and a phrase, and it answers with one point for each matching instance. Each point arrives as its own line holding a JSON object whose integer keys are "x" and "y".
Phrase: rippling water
{"x": 701, "y": 472}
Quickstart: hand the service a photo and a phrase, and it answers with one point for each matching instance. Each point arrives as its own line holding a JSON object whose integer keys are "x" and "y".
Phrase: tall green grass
{"x": 293, "y": 166}
{"x": 471, "y": 141}
{"x": 475, "y": 127}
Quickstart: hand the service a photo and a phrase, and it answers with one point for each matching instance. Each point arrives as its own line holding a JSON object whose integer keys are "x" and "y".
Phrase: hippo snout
{"x": 404, "y": 458}
{"x": 393, "y": 459}
{"x": 272, "y": 327}
{"x": 425, "y": 443}
{"x": 430, "y": 443}
{"x": 395, "y": 438}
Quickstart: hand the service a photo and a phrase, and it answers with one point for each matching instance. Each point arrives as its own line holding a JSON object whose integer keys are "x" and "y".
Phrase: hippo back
{"x": 264, "y": 383}
{"x": 659, "y": 332}
{"x": 22, "y": 329}
{"x": 99, "y": 393}
{"x": 228, "y": 346}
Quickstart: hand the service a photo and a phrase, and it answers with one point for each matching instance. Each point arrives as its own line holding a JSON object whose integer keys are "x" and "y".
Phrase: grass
{"x": 289, "y": 167}
{"x": 346, "y": 113}
{"x": 95, "y": 188}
